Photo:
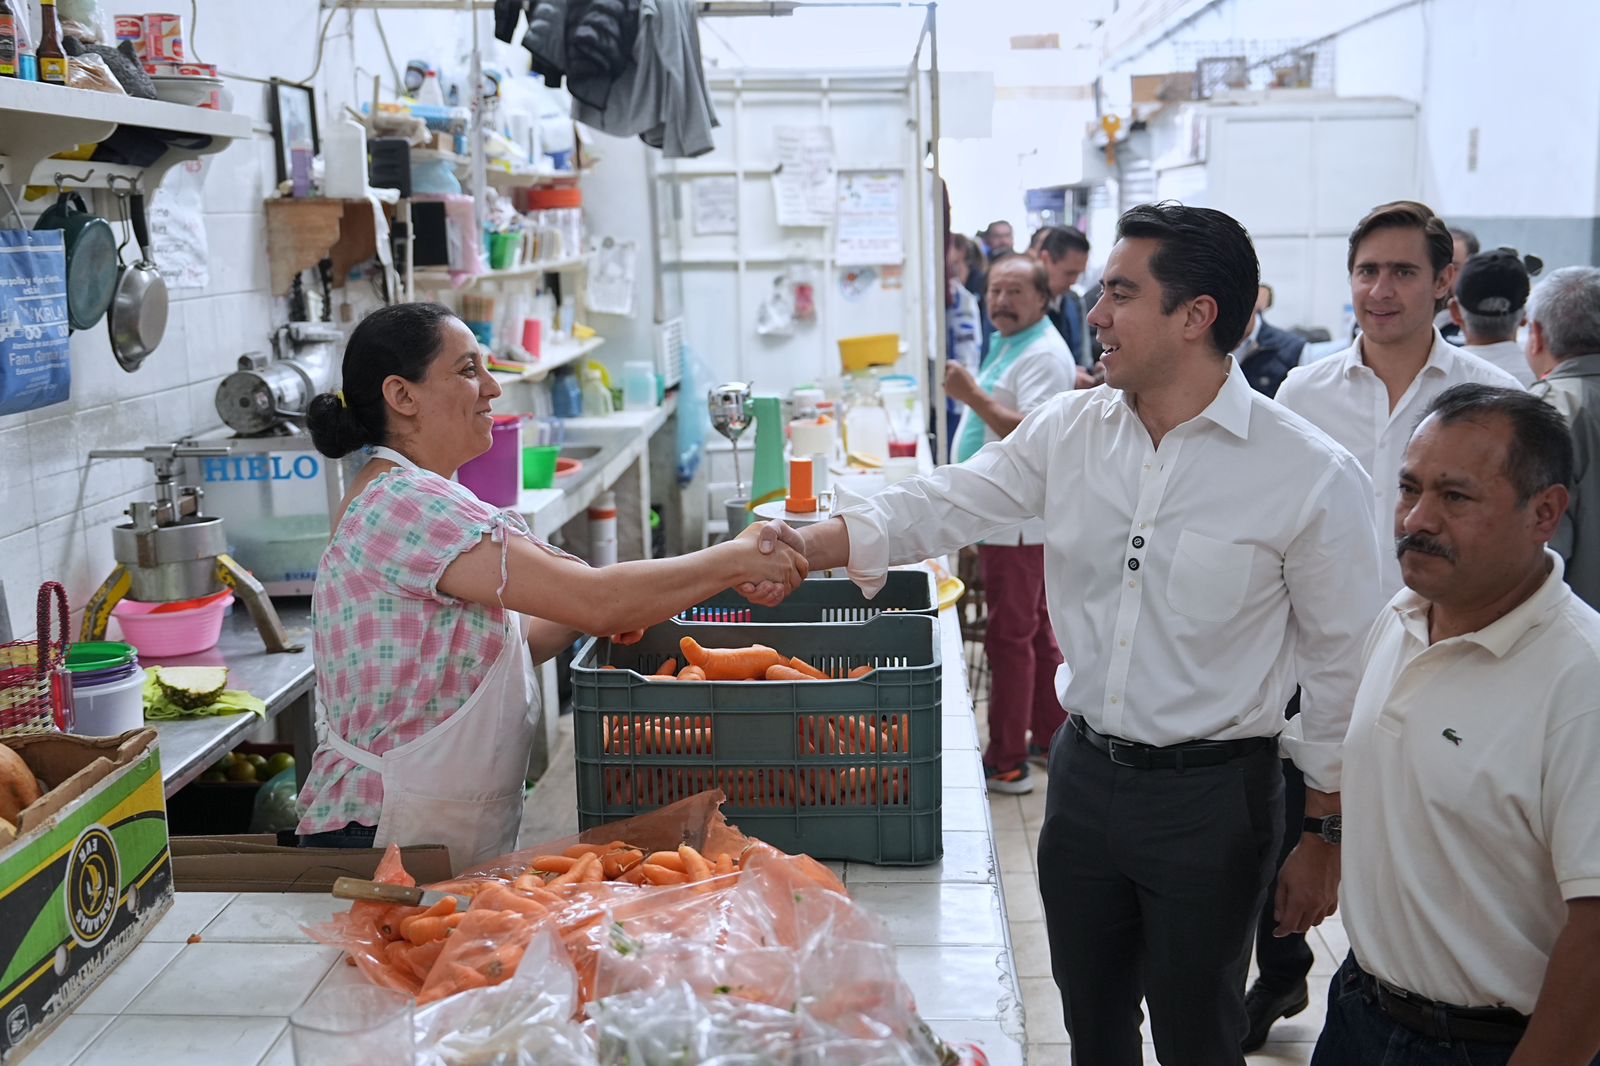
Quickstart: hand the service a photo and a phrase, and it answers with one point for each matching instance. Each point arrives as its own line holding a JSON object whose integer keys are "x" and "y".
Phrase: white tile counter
{"x": 227, "y": 999}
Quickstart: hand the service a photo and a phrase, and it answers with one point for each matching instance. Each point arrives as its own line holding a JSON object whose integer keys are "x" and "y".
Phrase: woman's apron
{"x": 460, "y": 783}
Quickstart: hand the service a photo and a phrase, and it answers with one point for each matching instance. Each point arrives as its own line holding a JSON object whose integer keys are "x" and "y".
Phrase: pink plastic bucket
{"x": 171, "y": 632}
{"x": 495, "y": 477}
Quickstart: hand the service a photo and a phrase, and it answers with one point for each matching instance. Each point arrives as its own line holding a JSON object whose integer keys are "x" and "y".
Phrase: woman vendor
{"x": 431, "y": 607}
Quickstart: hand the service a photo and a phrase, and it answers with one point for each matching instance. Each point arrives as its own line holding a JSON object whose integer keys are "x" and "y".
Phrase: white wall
{"x": 1523, "y": 77}
{"x": 57, "y": 510}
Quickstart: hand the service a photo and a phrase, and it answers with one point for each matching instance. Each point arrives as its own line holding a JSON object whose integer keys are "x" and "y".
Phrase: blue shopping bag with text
{"x": 35, "y": 368}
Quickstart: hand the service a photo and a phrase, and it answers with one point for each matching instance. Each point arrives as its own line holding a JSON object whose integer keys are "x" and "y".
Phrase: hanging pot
{"x": 91, "y": 258}
{"x": 138, "y": 317}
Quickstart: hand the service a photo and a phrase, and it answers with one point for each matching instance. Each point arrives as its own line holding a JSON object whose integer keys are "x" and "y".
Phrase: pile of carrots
{"x": 437, "y": 951}
{"x": 757, "y": 662}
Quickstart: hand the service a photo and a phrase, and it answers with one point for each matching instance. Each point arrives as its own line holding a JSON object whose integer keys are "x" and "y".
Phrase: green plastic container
{"x": 99, "y": 655}
{"x": 539, "y": 466}
{"x": 827, "y": 599}
{"x": 846, "y": 770}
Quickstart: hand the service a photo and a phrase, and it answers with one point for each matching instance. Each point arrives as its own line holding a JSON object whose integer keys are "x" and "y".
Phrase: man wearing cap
{"x": 1368, "y": 398}
{"x": 1488, "y": 306}
{"x": 1564, "y": 333}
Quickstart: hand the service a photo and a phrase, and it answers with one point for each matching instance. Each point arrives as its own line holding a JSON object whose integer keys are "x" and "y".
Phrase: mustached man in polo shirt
{"x": 1190, "y": 604}
{"x": 1369, "y": 398}
{"x": 1472, "y": 768}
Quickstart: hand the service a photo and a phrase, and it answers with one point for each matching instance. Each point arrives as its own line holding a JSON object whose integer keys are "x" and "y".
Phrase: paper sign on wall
{"x": 716, "y": 205}
{"x": 869, "y": 220}
{"x": 178, "y": 242}
{"x": 805, "y": 182}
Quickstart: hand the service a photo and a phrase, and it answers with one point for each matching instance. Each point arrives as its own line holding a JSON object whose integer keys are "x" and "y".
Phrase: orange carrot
{"x": 444, "y": 907}
{"x": 660, "y": 875}
{"x": 730, "y": 664}
{"x": 694, "y": 864}
{"x": 862, "y": 671}
{"x": 553, "y": 864}
{"x": 424, "y": 930}
{"x": 783, "y": 672}
{"x": 806, "y": 668}
{"x": 616, "y": 863}
{"x": 670, "y": 860}
{"x": 723, "y": 865}
{"x": 579, "y": 871}
{"x": 667, "y": 669}
{"x": 691, "y": 673}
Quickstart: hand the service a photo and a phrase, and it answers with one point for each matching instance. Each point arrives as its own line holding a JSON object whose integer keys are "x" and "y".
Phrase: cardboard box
{"x": 257, "y": 863}
{"x": 1163, "y": 88}
{"x": 84, "y": 879}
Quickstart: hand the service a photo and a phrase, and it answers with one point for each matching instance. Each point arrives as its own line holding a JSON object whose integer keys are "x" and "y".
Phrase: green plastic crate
{"x": 846, "y": 769}
{"x": 827, "y": 599}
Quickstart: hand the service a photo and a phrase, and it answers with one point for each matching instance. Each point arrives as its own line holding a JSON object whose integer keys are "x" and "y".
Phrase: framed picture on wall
{"x": 293, "y": 111}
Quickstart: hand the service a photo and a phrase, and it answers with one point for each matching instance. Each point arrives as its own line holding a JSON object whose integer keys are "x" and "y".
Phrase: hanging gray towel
{"x": 662, "y": 95}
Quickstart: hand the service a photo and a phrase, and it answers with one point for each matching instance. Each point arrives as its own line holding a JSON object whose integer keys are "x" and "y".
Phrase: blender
{"x": 731, "y": 415}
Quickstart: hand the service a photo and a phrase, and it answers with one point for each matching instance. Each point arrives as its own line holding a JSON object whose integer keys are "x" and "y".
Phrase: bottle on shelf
{"x": 430, "y": 95}
{"x": 10, "y": 52}
{"x": 52, "y": 60}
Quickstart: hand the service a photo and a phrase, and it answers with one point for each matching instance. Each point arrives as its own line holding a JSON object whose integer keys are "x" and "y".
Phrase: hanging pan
{"x": 91, "y": 257}
{"x": 138, "y": 317}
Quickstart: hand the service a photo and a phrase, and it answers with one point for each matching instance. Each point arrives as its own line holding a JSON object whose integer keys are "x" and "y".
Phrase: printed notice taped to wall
{"x": 804, "y": 182}
{"x": 716, "y": 206}
{"x": 178, "y": 242}
{"x": 869, "y": 220}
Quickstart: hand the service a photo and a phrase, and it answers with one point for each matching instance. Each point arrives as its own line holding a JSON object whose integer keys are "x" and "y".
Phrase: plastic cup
{"x": 531, "y": 336}
{"x": 539, "y": 466}
{"x": 739, "y": 514}
{"x": 353, "y": 1023}
{"x": 503, "y": 250}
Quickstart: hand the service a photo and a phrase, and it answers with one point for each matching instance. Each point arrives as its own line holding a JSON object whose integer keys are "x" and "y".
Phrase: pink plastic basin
{"x": 171, "y": 632}
{"x": 495, "y": 477}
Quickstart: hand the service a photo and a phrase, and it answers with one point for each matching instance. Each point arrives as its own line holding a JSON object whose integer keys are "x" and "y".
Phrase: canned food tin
{"x": 130, "y": 28}
{"x": 163, "y": 34}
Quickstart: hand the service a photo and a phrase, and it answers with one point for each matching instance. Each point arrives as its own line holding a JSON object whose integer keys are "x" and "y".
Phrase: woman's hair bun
{"x": 335, "y": 429}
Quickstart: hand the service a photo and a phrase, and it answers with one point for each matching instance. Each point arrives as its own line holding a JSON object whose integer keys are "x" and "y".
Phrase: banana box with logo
{"x": 83, "y": 879}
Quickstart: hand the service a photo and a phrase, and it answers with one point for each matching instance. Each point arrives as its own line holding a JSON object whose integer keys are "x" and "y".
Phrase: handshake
{"x": 773, "y": 558}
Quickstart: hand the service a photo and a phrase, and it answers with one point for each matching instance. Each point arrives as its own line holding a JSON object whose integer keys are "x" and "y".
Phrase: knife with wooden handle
{"x": 405, "y": 895}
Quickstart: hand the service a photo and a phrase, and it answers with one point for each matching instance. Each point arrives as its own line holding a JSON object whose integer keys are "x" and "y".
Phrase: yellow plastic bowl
{"x": 879, "y": 349}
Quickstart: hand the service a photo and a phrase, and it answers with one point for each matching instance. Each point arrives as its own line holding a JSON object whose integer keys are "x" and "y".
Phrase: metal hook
{"x": 62, "y": 179}
{"x": 112, "y": 179}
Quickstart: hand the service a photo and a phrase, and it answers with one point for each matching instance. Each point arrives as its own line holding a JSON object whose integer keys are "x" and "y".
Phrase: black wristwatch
{"x": 1330, "y": 828}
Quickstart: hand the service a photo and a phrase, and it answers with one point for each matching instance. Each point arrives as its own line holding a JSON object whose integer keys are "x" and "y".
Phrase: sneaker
{"x": 1040, "y": 757}
{"x": 1017, "y": 781}
{"x": 1263, "y": 1006}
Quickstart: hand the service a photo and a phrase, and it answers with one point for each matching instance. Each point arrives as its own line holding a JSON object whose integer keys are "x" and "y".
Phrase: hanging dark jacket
{"x": 599, "y": 39}
{"x": 546, "y": 39}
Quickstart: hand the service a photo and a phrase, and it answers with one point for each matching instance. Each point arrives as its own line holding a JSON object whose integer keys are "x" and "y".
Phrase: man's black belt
{"x": 1441, "y": 1021}
{"x": 1193, "y": 755}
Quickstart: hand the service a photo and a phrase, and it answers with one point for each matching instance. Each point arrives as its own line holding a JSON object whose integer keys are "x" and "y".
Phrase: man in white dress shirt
{"x": 1369, "y": 398}
{"x": 1472, "y": 767}
{"x": 1191, "y": 603}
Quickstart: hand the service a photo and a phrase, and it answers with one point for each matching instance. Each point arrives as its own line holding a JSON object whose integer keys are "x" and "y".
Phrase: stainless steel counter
{"x": 282, "y": 681}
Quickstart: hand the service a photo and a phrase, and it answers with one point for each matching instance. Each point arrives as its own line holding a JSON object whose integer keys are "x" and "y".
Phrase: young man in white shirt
{"x": 1191, "y": 603}
{"x": 1472, "y": 767}
{"x": 1368, "y": 398}
{"x": 1028, "y": 363}
{"x": 1489, "y": 303}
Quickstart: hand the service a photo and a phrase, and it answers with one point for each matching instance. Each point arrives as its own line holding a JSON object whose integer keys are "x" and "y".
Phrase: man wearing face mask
{"x": 1471, "y": 889}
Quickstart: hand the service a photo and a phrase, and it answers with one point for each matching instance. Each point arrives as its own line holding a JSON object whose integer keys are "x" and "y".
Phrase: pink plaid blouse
{"x": 394, "y": 656}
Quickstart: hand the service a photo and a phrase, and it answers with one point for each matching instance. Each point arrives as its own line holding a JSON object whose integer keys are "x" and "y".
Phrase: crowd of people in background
{"x": 1453, "y": 674}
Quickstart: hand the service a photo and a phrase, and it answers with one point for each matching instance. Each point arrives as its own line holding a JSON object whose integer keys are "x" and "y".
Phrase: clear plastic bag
{"x": 527, "y": 1021}
{"x": 90, "y": 71}
{"x": 766, "y": 960}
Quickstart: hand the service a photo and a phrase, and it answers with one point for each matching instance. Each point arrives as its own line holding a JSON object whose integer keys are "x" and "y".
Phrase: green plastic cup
{"x": 503, "y": 250}
{"x": 539, "y": 466}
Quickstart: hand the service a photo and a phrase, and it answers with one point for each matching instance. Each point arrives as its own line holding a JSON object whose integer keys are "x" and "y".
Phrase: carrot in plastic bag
{"x": 670, "y": 860}
{"x": 660, "y": 875}
{"x": 553, "y": 864}
{"x": 438, "y": 910}
{"x": 616, "y": 863}
{"x": 579, "y": 871}
{"x": 694, "y": 864}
